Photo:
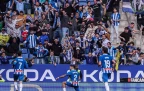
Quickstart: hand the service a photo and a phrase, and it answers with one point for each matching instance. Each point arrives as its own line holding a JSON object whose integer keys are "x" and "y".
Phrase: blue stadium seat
{"x": 83, "y": 0}
{"x": 82, "y": 3}
{"x": 24, "y": 51}
{"x": 91, "y": 0}
{"x": 25, "y": 56}
{"x": 10, "y": 61}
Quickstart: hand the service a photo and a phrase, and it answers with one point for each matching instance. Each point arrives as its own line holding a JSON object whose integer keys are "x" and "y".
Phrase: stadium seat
{"x": 82, "y": 3}
{"x": 10, "y": 61}
{"x": 25, "y": 56}
{"x": 91, "y": 0}
{"x": 24, "y": 51}
{"x": 83, "y": 0}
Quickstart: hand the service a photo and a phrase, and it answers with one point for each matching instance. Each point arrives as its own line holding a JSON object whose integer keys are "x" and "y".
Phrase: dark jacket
{"x": 89, "y": 60}
{"x": 57, "y": 48}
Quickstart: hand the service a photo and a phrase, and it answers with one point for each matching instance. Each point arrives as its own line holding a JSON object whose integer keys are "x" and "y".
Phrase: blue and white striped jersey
{"x": 106, "y": 62}
{"x": 19, "y": 65}
{"x": 115, "y": 17}
{"x": 32, "y": 41}
{"x": 41, "y": 51}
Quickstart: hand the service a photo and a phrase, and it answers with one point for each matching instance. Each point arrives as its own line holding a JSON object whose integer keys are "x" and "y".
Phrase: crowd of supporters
{"x": 65, "y": 32}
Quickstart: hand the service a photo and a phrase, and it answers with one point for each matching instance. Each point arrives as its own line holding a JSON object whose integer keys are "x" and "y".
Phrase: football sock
{"x": 64, "y": 89}
{"x": 107, "y": 86}
{"x": 20, "y": 86}
{"x": 15, "y": 84}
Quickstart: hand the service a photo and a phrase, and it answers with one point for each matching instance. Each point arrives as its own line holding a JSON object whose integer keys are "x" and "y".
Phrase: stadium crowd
{"x": 65, "y": 32}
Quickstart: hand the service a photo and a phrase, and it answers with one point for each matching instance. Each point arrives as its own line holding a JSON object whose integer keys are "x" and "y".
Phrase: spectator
{"x": 41, "y": 52}
{"x": 5, "y": 59}
{"x": 57, "y": 48}
{"x": 70, "y": 31}
{"x": 27, "y": 6}
{"x": 38, "y": 8}
{"x": 90, "y": 59}
{"x": 111, "y": 50}
{"x": 51, "y": 58}
{"x": 57, "y": 25}
{"x": 24, "y": 34}
{"x": 125, "y": 36}
{"x": 19, "y": 5}
{"x": 142, "y": 58}
{"x": 31, "y": 41}
{"x": 134, "y": 58}
{"x": 43, "y": 37}
{"x": 115, "y": 19}
{"x": 96, "y": 10}
{"x": 13, "y": 47}
{"x": 47, "y": 45}
{"x": 82, "y": 41}
{"x": 64, "y": 58}
{"x": 64, "y": 24}
{"x": 78, "y": 54}
{"x": 104, "y": 41}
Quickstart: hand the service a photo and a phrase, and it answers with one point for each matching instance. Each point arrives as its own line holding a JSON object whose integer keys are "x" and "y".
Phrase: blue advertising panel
{"x": 91, "y": 73}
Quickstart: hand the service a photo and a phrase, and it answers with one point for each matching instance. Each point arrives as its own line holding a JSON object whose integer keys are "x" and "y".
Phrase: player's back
{"x": 106, "y": 62}
{"x": 19, "y": 65}
{"x": 74, "y": 75}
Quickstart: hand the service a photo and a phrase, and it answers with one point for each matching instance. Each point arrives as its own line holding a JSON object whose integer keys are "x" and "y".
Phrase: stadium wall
{"x": 91, "y": 73}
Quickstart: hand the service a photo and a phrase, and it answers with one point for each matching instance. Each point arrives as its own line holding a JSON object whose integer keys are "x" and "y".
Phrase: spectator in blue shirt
{"x": 5, "y": 59}
{"x": 90, "y": 59}
{"x": 43, "y": 37}
{"x": 41, "y": 52}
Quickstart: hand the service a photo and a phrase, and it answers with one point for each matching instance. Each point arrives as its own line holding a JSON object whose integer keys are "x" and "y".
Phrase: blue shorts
{"x": 70, "y": 85}
{"x": 19, "y": 77}
{"x": 106, "y": 76}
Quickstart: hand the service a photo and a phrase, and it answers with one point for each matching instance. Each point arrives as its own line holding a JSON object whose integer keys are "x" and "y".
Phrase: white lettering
{"x": 26, "y": 71}
{"x": 47, "y": 77}
{"x": 8, "y": 73}
{"x": 89, "y": 75}
{"x": 123, "y": 72}
{"x": 1, "y": 71}
{"x": 139, "y": 73}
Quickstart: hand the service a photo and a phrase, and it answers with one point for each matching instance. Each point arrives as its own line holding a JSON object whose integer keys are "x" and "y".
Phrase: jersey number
{"x": 107, "y": 63}
{"x": 20, "y": 64}
{"x": 75, "y": 77}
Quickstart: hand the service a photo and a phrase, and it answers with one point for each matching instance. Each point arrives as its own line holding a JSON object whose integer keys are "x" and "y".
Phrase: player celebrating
{"x": 74, "y": 78}
{"x": 106, "y": 62}
{"x": 19, "y": 64}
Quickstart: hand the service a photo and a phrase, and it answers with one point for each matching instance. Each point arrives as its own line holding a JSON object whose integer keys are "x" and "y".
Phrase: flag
{"x": 127, "y": 7}
{"x": 117, "y": 60}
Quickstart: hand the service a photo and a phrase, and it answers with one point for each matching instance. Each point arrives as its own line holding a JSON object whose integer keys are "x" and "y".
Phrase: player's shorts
{"x": 106, "y": 76}
{"x": 19, "y": 77}
{"x": 68, "y": 83}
